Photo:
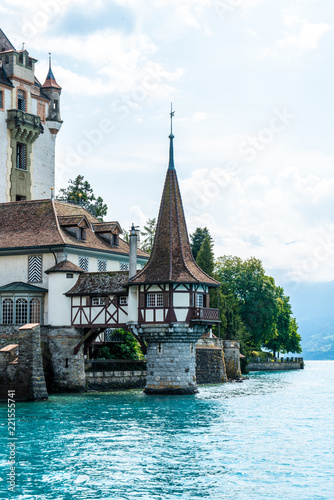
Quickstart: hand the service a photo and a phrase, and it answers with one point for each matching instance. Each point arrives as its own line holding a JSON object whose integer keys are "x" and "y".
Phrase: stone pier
{"x": 232, "y": 358}
{"x": 171, "y": 357}
{"x": 22, "y": 372}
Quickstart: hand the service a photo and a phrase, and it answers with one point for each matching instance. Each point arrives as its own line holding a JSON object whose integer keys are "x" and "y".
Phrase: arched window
{"x": 7, "y": 312}
{"x": 21, "y": 311}
{"x": 35, "y": 311}
{"x": 21, "y": 100}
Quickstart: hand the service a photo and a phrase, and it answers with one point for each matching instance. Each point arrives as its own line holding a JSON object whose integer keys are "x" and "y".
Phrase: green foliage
{"x": 197, "y": 238}
{"x": 129, "y": 349}
{"x": 149, "y": 233}
{"x": 260, "y": 307}
{"x": 205, "y": 257}
{"x": 80, "y": 192}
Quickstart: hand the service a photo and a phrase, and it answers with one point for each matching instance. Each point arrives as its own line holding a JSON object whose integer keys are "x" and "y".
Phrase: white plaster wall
{"x": 43, "y": 163}
{"x": 181, "y": 299}
{"x": 133, "y": 304}
{"x": 4, "y": 135}
{"x": 15, "y": 268}
{"x": 59, "y": 304}
{"x": 181, "y": 314}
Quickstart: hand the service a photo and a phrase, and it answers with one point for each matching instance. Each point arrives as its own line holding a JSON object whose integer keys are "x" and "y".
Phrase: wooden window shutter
{"x": 142, "y": 299}
{"x": 207, "y": 300}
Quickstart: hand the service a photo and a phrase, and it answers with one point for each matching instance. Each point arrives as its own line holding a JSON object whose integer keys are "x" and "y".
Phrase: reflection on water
{"x": 269, "y": 437}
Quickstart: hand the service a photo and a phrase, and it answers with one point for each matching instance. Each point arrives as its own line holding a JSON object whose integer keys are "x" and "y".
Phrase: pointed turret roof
{"x": 172, "y": 260}
{"x": 50, "y": 81}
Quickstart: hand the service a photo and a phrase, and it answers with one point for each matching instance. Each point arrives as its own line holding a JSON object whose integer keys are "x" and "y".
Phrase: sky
{"x": 251, "y": 83}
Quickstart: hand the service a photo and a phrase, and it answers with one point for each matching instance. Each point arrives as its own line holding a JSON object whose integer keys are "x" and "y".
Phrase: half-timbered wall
{"x": 109, "y": 313}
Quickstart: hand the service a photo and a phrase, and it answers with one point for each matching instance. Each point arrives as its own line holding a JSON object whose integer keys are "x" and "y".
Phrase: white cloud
{"x": 307, "y": 39}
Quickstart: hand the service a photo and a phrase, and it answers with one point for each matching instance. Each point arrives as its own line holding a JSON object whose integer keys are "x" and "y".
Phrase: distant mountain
{"x": 313, "y": 307}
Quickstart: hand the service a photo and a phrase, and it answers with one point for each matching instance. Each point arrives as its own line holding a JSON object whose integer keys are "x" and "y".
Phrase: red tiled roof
{"x": 171, "y": 259}
{"x": 64, "y": 266}
{"x": 35, "y": 224}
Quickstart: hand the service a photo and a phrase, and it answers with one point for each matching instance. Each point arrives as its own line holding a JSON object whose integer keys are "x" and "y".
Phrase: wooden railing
{"x": 204, "y": 313}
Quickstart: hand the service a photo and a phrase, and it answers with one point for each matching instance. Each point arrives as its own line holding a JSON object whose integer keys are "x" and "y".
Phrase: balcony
{"x": 25, "y": 127}
{"x": 205, "y": 314}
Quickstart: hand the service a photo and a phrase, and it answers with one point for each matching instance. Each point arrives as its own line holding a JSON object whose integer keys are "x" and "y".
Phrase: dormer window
{"x": 75, "y": 225}
{"x": 21, "y": 57}
{"x": 21, "y": 100}
{"x": 109, "y": 232}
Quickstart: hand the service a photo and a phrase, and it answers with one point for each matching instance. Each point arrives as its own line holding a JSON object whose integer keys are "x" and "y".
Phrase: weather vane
{"x": 171, "y": 118}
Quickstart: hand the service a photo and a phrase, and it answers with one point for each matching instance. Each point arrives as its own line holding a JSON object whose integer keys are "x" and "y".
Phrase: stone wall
{"x": 68, "y": 373}
{"x": 210, "y": 363}
{"x": 105, "y": 381}
{"x": 274, "y": 365}
{"x": 232, "y": 358}
{"x": 25, "y": 375}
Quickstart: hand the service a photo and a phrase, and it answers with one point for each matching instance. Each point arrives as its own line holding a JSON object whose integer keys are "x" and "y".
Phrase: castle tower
{"x": 173, "y": 293}
{"x": 28, "y": 126}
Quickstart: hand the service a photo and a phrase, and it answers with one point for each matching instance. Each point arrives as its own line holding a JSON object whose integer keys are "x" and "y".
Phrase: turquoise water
{"x": 270, "y": 437}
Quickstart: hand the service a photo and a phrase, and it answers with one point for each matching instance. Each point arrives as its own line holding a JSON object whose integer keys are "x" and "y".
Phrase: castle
{"x": 70, "y": 279}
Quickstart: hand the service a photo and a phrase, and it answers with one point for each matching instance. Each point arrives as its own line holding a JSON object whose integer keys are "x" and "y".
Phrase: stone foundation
{"x": 232, "y": 358}
{"x": 210, "y": 363}
{"x": 116, "y": 380}
{"x": 171, "y": 358}
{"x": 24, "y": 374}
{"x": 68, "y": 369}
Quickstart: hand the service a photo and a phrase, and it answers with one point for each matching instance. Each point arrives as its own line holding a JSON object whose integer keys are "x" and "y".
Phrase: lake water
{"x": 270, "y": 437}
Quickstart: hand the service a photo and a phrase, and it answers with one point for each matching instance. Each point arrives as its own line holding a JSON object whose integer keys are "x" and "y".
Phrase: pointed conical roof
{"x": 50, "y": 81}
{"x": 172, "y": 259}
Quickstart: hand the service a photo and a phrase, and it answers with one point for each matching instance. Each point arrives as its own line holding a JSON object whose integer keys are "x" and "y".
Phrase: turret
{"x": 51, "y": 88}
{"x": 173, "y": 310}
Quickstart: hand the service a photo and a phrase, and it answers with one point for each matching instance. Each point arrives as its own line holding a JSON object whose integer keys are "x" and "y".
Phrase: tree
{"x": 205, "y": 257}
{"x": 197, "y": 238}
{"x": 80, "y": 192}
{"x": 263, "y": 308}
{"x": 149, "y": 233}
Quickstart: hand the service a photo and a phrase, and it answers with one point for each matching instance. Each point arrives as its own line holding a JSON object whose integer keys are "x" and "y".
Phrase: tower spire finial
{"x": 49, "y": 60}
{"x": 171, "y": 137}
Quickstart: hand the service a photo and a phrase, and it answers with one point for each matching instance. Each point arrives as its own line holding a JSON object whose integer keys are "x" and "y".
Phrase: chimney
{"x": 133, "y": 252}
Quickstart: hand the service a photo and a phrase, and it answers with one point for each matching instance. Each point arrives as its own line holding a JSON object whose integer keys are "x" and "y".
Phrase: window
{"x": 7, "y": 312}
{"x": 29, "y": 62}
{"x": 199, "y": 300}
{"x": 101, "y": 265}
{"x": 123, "y": 300}
{"x": 35, "y": 311}
{"x": 21, "y": 57}
{"x": 35, "y": 269}
{"x": 21, "y": 311}
{"x": 21, "y": 156}
{"x": 69, "y": 275}
{"x": 98, "y": 301}
{"x": 1, "y": 99}
{"x": 115, "y": 240}
{"x": 83, "y": 263}
{"x": 20, "y": 197}
{"x": 21, "y": 100}
{"x": 155, "y": 300}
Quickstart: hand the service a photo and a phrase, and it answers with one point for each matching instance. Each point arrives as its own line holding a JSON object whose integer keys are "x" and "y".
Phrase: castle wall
{"x": 115, "y": 380}
{"x": 26, "y": 377}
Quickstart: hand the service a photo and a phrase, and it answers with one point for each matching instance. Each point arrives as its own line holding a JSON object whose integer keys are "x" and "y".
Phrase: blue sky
{"x": 252, "y": 85}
